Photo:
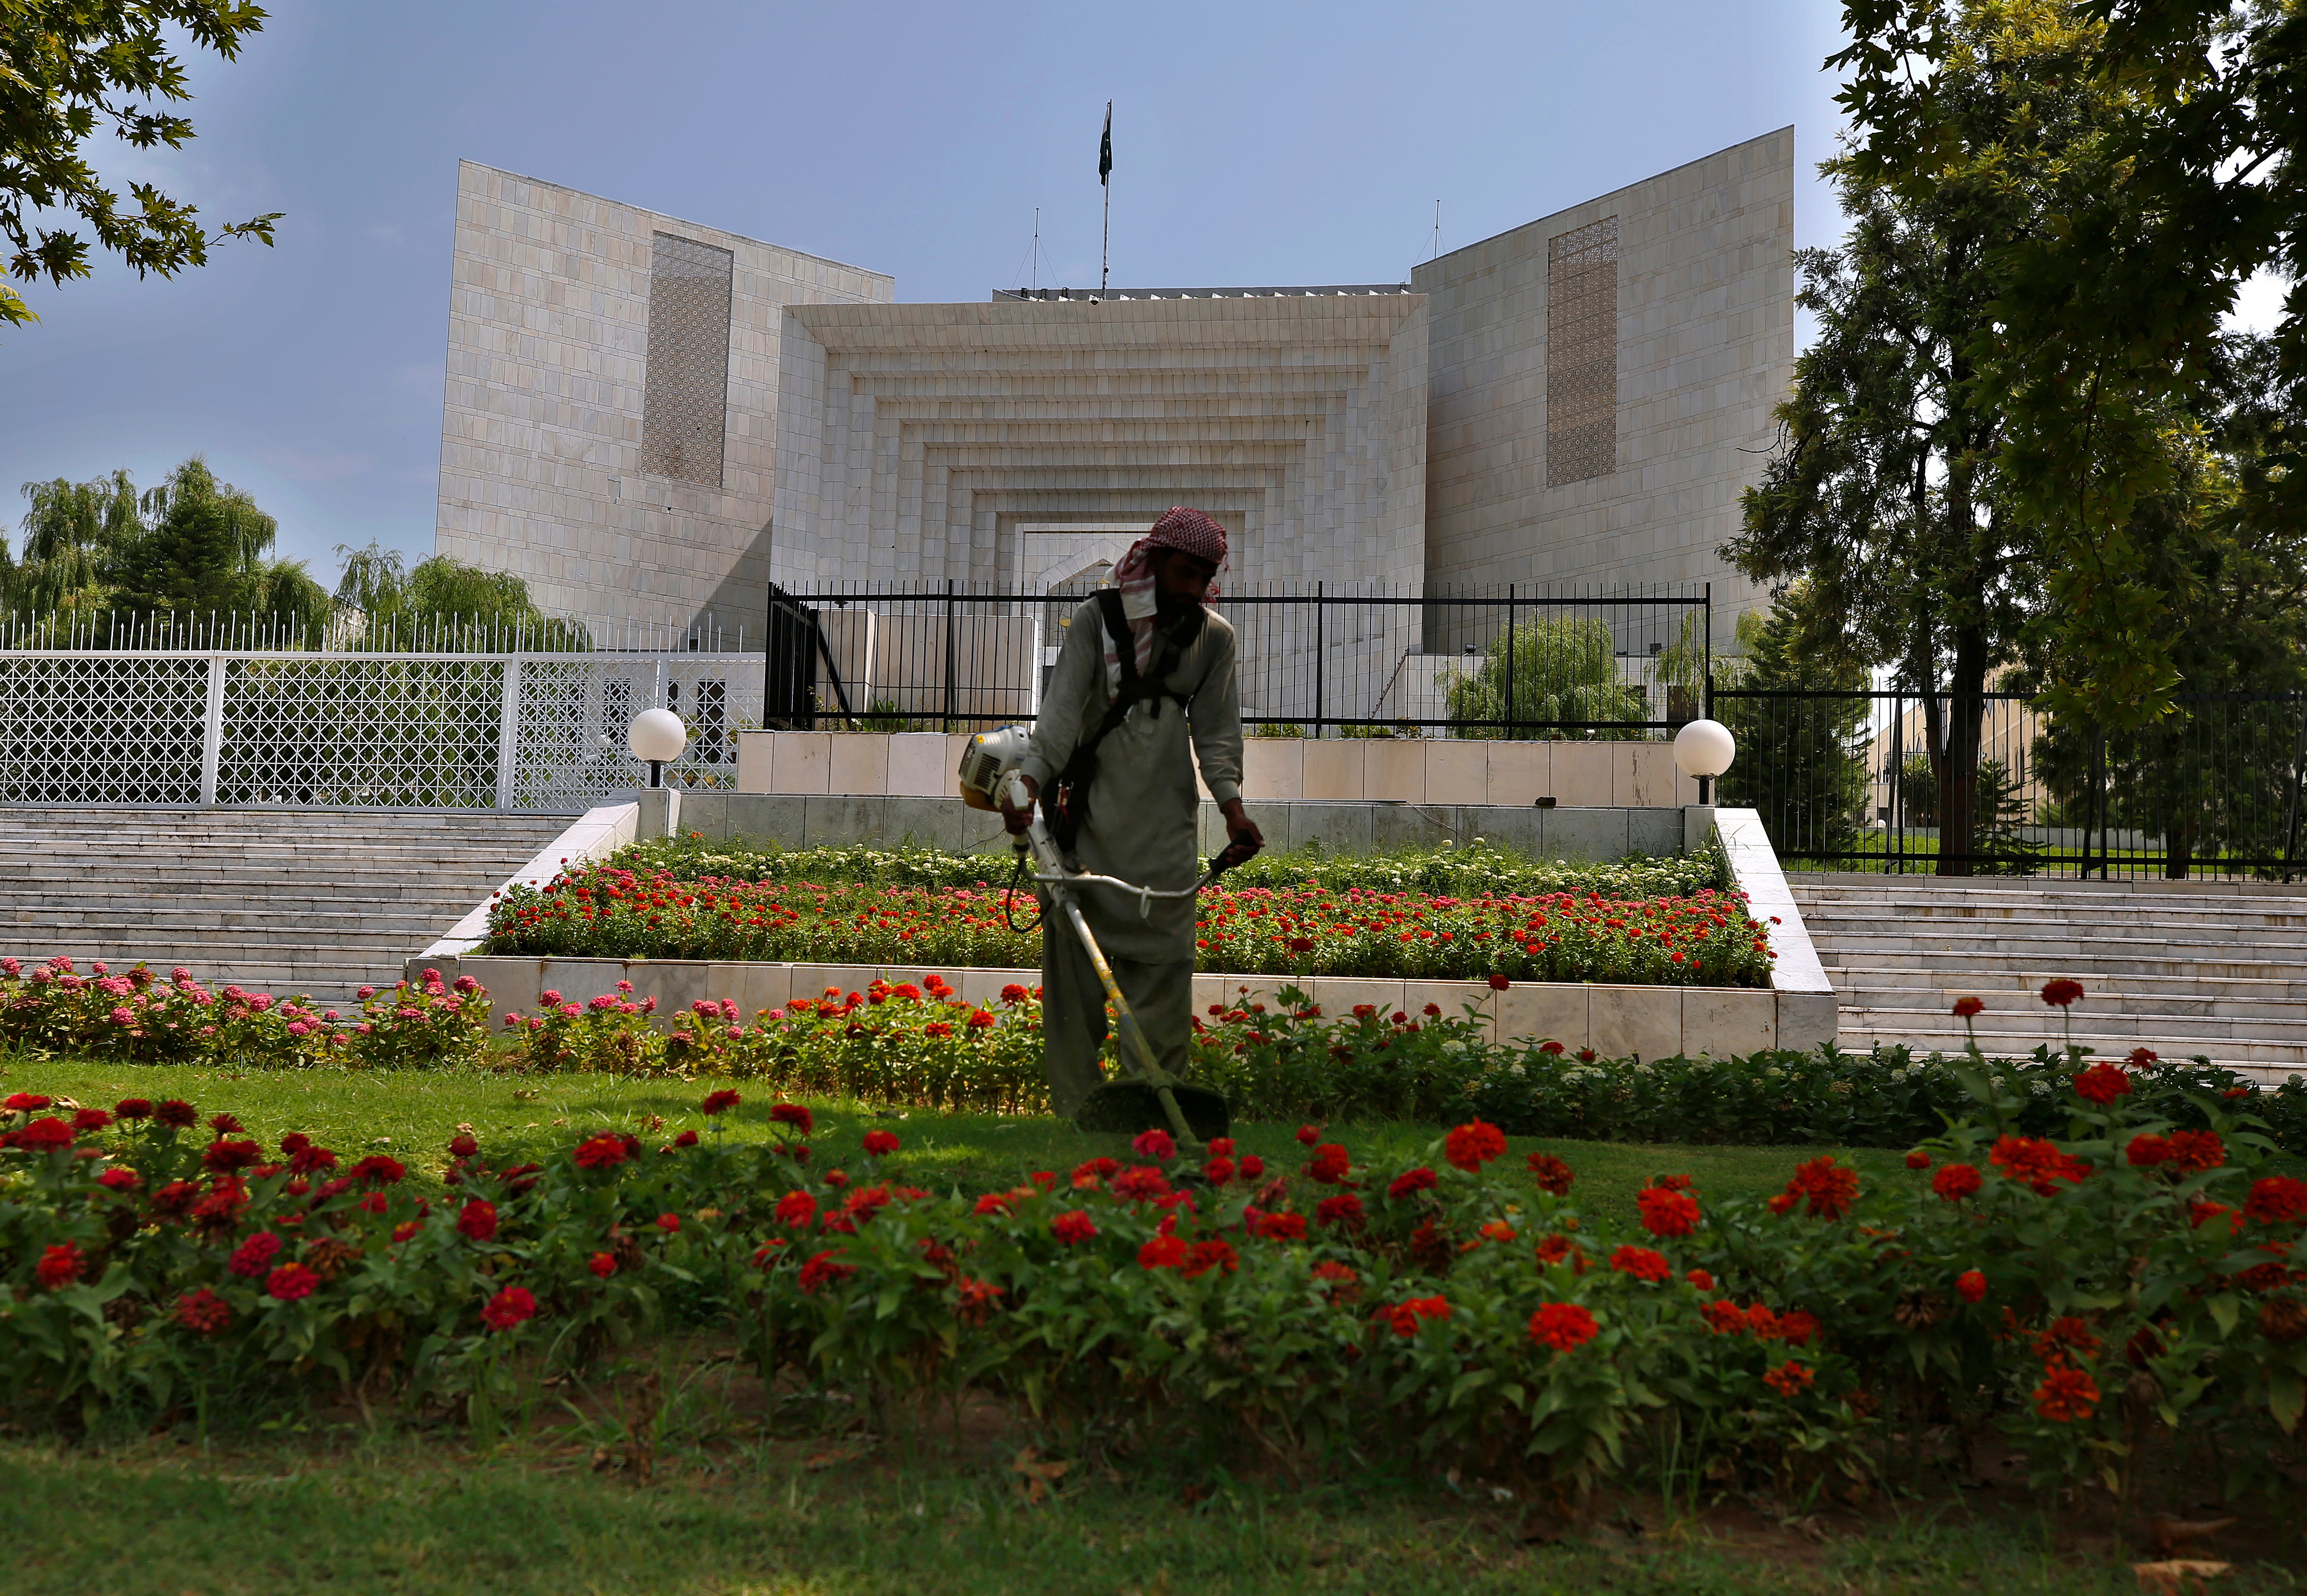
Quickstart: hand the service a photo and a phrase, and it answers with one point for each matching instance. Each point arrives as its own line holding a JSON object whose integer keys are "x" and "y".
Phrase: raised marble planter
{"x": 1616, "y": 1021}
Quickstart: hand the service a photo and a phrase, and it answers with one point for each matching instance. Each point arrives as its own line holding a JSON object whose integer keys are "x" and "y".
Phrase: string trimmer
{"x": 1150, "y": 1096}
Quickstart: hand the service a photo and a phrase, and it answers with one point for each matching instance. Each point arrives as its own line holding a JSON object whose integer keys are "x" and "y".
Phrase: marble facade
{"x": 1394, "y": 436}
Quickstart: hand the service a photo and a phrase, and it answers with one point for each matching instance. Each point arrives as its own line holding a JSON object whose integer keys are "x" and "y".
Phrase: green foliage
{"x": 1477, "y": 869}
{"x": 1800, "y": 762}
{"x": 194, "y": 547}
{"x": 1542, "y": 672}
{"x": 1438, "y": 1302}
{"x": 604, "y": 912}
{"x": 72, "y": 68}
{"x": 445, "y": 605}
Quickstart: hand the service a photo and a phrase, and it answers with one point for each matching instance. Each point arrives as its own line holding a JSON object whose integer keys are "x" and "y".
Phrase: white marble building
{"x": 1576, "y": 403}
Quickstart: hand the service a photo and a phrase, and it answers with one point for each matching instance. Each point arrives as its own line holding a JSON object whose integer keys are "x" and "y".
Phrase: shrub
{"x": 1464, "y": 1309}
{"x": 1706, "y": 938}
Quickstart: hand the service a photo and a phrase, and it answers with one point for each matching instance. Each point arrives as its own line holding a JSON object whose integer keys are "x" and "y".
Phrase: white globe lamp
{"x": 658, "y": 737}
{"x": 1704, "y": 749}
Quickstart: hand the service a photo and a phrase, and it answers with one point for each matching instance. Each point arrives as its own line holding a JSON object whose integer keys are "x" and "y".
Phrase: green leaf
{"x": 2224, "y": 1309}
{"x": 2285, "y": 1395}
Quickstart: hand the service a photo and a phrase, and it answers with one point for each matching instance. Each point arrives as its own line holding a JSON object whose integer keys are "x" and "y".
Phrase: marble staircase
{"x": 277, "y": 900}
{"x": 2214, "y": 968}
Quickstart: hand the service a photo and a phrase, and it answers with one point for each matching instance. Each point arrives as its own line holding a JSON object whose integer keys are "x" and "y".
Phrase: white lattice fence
{"x": 361, "y": 731}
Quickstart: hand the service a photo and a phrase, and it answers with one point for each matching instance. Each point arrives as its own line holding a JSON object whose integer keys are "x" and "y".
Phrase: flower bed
{"x": 1445, "y": 871}
{"x": 2122, "y": 1297}
{"x": 601, "y": 912}
{"x": 920, "y": 1046}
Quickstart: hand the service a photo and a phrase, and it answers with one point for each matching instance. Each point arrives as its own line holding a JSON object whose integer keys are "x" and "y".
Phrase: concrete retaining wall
{"x": 1576, "y": 775}
{"x": 1650, "y": 1022}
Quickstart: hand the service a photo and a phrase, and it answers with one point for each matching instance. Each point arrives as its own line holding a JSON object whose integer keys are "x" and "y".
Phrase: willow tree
{"x": 1544, "y": 674}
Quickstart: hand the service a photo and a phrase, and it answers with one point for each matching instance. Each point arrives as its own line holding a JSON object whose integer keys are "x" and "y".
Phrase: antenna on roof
{"x": 1037, "y": 248}
{"x": 1437, "y": 230}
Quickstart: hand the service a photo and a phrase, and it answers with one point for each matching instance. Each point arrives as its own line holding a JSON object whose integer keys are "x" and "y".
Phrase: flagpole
{"x": 1106, "y": 239}
{"x": 1105, "y": 182}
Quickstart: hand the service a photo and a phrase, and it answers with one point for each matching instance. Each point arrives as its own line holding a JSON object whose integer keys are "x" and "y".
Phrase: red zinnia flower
{"x": 177, "y": 1113}
{"x": 1701, "y": 1278}
{"x": 90, "y": 1118}
{"x": 2194, "y": 1151}
{"x": 794, "y": 1115}
{"x": 1918, "y": 1160}
{"x": 120, "y": 1180}
{"x": 2147, "y": 1150}
{"x": 291, "y": 1282}
{"x": 1723, "y": 1319}
{"x": 2067, "y": 1334}
{"x": 1788, "y": 1379}
{"x": 1329, "y": 1164}
{"x": 1666, "y": 1213}
{"x": 796, "y": 1209}
{"x": 1206, "y": 1256}
{"x": 1971, "y": 1284}
{"x": 203, "y": 1312}
{"x": 1404, "y": 1318}
{"x": 721, "y": 1102}
{"x": 1163, "y": 1252}
{"x": 1153, "y": 1144}
{"x": 2066, "y": 1395}
{"x": 2101, "y": 1084}
{"x": 670, "y": 1223}
{"x": 463, "y": 1147}
{"x": 1499, "y": 983}
{"x": 1073, "y": 1227}
{"x": 1966, "y": 1007}
{"x": 880, "y": 1144}
{"x": 478, "y": 1220}
{"x": 255, "y": 1256}
{"x": 2035, "y": 1162}
{"x": 1550, "y": 1173}
{"x": 602, "y": 1263}
{"x": 1956, "y": 1182}
{"x": 603, "y": 1150}
{"x": 2061, "y": 991}
{"x": 509, "y": 1309}
{"x": 1824, "y": 1185}
{"x": 1565, "y": 1326}
{"x": 1282, "y": 1227}
{"x": 133, "y": 1108}
{"x": 26, "y": 1102}
{"x": 2276, "y": 1200}
{"x": 1345, "y": 1209}
{"x": 45, "y": 1136}
{"x": 1643, "y": 1263}
{"x": 60, "y": 1266}
{"x": 379, "y": 1168}
{"x": 1143, "y": 1184}
{"x": 1409, "y": 1181}
{"x": 1308, "y": 1135}
{"x": 1471, "y": 1145}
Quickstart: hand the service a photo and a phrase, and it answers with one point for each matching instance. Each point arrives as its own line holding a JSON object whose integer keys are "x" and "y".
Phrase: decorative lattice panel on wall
{"x": 112, "y": 729}
{"x": 1581, "y": 352}
{"x": 684, "y": 406}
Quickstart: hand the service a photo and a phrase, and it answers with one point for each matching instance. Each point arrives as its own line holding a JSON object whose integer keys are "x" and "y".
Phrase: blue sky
{"x": 1252, "y": 144}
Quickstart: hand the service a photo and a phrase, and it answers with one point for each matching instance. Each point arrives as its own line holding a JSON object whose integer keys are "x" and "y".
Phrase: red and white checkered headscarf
{"x": 1190, "y": 532}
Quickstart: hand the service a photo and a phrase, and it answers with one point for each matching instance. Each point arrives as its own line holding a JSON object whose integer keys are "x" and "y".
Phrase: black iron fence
{"x": 1624, "y": 663}
{"x": 1864, "y": 781}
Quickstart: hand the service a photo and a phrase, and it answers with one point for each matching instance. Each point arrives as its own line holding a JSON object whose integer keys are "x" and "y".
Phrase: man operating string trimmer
{"x": 1143, "y": 669}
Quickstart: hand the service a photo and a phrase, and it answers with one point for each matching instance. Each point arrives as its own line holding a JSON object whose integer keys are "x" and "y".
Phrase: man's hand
{"x": 1016, "y": 819}
{"x": 1247, "y": 838}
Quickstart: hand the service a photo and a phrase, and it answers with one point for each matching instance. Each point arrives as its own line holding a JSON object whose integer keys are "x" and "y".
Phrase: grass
{"x": 412, "y": 1113}
{"x": 358, "y": 1512}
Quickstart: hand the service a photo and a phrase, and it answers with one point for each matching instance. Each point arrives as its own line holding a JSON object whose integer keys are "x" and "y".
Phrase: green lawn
{"x": 414, "y": 1113}
{"x": 356, "y": 1516}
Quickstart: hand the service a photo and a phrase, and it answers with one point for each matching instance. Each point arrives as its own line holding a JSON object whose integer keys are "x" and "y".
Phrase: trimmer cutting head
{"x": 1128, "y": 1107}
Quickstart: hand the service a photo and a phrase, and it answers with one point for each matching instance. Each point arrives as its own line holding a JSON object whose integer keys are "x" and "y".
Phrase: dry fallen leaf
{"x": 2177, "y": 1576}
{"x": 1035, "y": 1476}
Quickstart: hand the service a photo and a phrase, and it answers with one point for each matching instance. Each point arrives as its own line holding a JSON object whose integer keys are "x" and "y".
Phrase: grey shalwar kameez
{"x": 1141, "y": 827}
